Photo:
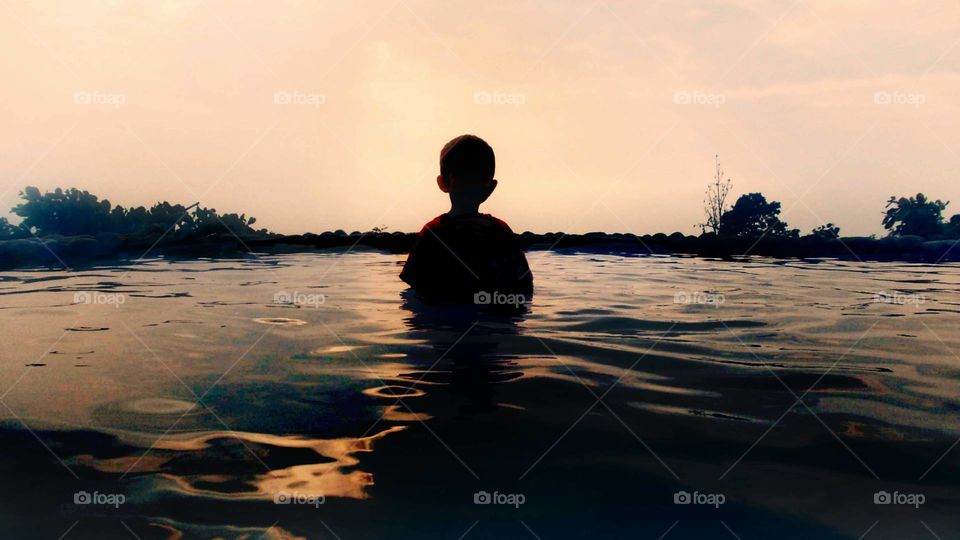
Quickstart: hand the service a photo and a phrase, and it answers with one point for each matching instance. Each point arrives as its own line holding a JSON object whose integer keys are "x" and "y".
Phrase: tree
{"x": 752, "y": 217}
{"x": 67, "y": 212}
{"x": 826, "y": 232}
{"x": 914, "y": 216}
{"x": 9, "y": 231}
{"x": 952, "y": 228}
{"x": 715, "y": 203}
{"x": 74, "y": 212}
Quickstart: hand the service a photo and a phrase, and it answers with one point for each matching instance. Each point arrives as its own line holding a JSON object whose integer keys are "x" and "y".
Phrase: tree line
{"x": 72, "y": 212}
{"x": 752, "y": 216}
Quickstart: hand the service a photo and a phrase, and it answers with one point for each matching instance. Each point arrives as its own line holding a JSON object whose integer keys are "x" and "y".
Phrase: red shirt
{"x": 457, "y": 257}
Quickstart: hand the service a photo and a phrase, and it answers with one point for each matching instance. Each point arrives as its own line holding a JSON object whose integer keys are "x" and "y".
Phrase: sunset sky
{"x": 605, "y": 115}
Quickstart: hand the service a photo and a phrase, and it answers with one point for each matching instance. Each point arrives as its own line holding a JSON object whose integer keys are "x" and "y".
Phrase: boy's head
{"x": 467, "y": 166}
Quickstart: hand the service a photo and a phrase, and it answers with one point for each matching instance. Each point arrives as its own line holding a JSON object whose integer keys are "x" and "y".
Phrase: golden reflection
{"x": 175, "y": 531}
{"x": 337, "y": 349}
{"x": 394, "y": 413}
{"x": 391, "y": 391}
{"x": 279, "y": 321}
{"x": 325, "y": 478}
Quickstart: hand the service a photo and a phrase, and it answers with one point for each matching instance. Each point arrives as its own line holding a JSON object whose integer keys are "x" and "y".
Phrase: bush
{"x": 9, "y": 232}
{"x": 752, "y": 217}
{"x": 72, "y": 212}
{"x": 826, "y": 232}
{"x": 952, "y": 228}
{"x": 917, "y": 216}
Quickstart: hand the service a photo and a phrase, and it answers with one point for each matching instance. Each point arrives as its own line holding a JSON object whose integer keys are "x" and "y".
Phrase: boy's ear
{"x": 442, "y": 184}
{"x": 493, "y": 186}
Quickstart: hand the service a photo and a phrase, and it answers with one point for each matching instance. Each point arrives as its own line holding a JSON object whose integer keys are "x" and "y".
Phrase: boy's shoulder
{"x": 471, "y": 222}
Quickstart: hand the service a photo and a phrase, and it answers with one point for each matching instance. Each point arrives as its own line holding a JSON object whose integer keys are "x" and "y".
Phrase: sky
{"x": 605, "y": 115}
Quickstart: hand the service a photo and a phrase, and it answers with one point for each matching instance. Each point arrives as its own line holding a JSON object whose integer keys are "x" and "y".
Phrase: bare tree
{"x": 715, "y": 203}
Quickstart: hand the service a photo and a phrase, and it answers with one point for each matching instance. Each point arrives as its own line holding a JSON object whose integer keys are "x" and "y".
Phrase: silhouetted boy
{"x": 463, "y": 255}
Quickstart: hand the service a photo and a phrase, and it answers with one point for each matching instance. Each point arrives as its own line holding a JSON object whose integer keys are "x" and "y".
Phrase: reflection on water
{"x": 798, "y": 389}
{"x": 279, "y": 321}
{"x": 199, "y": 465}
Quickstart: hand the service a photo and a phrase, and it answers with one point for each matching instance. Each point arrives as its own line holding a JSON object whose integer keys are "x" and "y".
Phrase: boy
{"x": 464, "y": 256}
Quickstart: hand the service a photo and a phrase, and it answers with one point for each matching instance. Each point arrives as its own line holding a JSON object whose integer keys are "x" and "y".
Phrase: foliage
{"x": 914, "y": 216}
{"x": 752, "y": 217}
{"x": 952, "y": 227}
{"x": 715, "y": 203}
{"x": 9, "y": 231}
{"x": 826, "y": 232}
{"x": 73, "y": 212}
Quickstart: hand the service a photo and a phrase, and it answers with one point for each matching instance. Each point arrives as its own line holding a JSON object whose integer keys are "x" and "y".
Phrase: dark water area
{"x": 311, "y": 396}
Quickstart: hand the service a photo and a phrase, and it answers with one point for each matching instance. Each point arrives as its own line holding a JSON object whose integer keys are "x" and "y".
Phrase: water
{"x": 199, "y": 395}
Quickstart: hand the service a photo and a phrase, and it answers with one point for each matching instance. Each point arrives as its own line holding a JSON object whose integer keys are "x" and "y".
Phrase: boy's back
{"x": 457, "y": 257}
{"x": 463, "y": 252}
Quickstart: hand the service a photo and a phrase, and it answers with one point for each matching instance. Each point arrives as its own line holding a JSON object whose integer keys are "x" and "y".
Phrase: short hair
{"x": 468, "y": 157}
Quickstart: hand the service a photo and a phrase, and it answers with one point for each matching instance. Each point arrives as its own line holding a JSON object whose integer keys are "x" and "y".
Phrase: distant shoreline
{"x": 78, "y": 251}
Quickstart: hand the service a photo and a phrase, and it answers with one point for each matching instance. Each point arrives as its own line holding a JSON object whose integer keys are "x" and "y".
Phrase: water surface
{"x": 311, "y": 396}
